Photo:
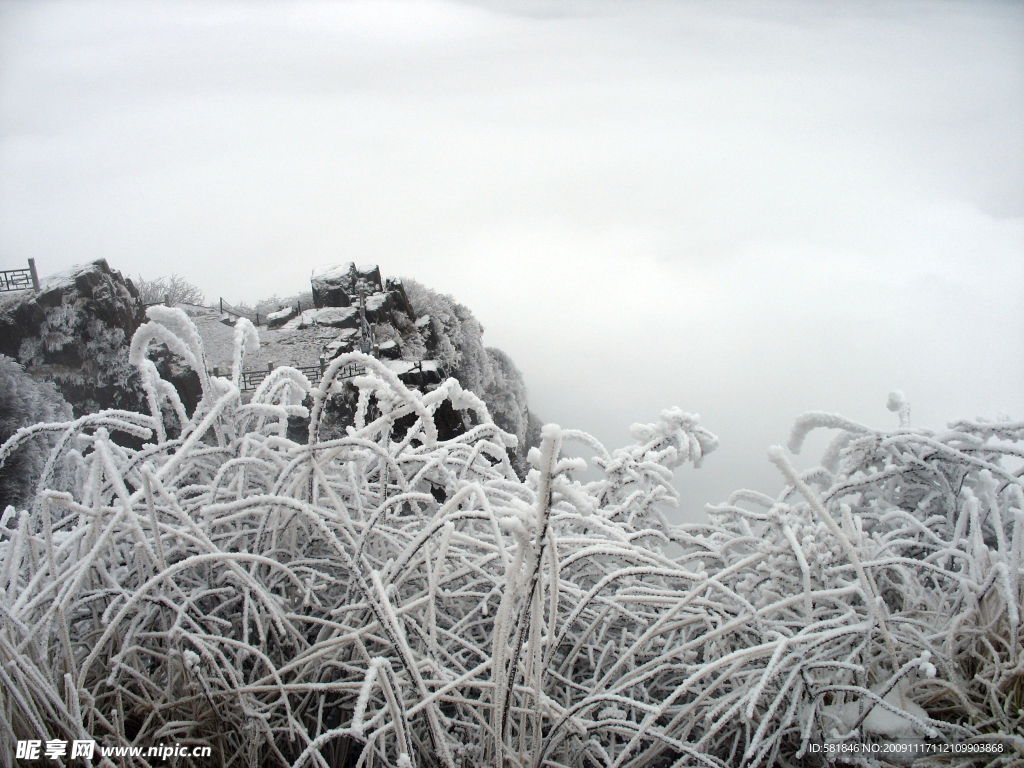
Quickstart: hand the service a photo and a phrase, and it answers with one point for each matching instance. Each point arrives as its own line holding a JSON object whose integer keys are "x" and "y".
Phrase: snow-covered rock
{"x": 75, "y": 332}
{"x": 420, "y": 373}
{"x": 331, "y": 286}
{"x": 379, "y": 307}
{"x": 390, "y": 350}
{"x": 282, "y": 316}
{"x": 345, "y": 342}
{"x": 334, "y": 285}
{"x": 337, "y": 317}
{"x": 396, "y": 288}
{"x": 385, "y": 302}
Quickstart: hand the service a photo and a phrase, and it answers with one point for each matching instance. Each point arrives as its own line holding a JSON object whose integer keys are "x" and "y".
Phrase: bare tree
{"x": 175, "y": 288}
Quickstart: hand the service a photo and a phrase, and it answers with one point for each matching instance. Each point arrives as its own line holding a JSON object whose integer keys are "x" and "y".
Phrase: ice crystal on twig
{"x": 411, "y": 601}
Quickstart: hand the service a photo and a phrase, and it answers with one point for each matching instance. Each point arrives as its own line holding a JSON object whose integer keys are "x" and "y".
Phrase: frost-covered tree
{"x": 176, "y": 287}
{"x": 25, "y": 401}
{"x": 100, "y": 373}
{"x": 506, "y": 398}
{"x": 455, "y": 337}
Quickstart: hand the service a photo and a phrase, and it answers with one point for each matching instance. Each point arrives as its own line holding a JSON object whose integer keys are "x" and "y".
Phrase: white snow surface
{"x": 332, "y": 271}
{"x": 281, "y": 313}
{"x": 883, "y": 721}
{"x": 375, "y": 301}
{"x": 404, "y": 366}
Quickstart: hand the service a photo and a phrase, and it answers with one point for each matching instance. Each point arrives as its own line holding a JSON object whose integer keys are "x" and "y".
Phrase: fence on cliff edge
{"x": 20, "y": 279}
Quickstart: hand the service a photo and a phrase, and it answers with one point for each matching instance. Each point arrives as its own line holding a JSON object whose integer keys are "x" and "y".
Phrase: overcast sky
{"x": 748, "y": 210}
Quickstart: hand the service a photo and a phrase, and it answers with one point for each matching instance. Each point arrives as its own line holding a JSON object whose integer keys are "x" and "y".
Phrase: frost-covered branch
{"x": 412, "y": 600}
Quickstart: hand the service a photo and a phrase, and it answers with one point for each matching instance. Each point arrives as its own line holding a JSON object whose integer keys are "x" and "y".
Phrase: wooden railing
{"x": 19, "y": 279}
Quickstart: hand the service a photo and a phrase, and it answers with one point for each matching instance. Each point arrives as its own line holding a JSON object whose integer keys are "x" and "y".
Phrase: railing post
{"x": 167, "y": 299}
{"x": 270, "y": 366}
{"x": 35, "y": 275}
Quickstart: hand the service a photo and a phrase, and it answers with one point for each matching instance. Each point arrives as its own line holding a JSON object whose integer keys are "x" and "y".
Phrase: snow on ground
{"x": 296, "y": 348}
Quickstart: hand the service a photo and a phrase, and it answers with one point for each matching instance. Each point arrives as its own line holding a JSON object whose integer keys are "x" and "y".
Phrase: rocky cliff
{"x": 75, "y": 333}
{"x": 450, "y": 333}
{"x": 408, "y": 321}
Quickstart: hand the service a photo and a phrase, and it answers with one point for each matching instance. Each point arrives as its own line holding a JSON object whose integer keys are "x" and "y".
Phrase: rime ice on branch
{"x": 411, "y": 600}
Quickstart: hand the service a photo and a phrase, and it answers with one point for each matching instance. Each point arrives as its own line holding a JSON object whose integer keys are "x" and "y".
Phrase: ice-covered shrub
{"x": 25, "y": 401}
{"x": 411, "y": 601}
{"x": 455, "y": 334}
{"x": 455, "y": 337}
{"x": 174, "y": 290}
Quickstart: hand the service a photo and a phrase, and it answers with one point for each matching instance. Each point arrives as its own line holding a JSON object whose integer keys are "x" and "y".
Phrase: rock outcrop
{"x": 334, "y": 286}
{"x": 424, "y": 337}
{"x": 394, "y": 287}
{"x": 345, "y": 295}
{"x": 337, "y": 317}
{"x": 452, "y": 340}
{"x": 340, "y": 285}
{"x": 390, "y": 350}
{"x": 346, "y": 341}
{"x": 75, "y": 333}
{"x": 282, "y": 316}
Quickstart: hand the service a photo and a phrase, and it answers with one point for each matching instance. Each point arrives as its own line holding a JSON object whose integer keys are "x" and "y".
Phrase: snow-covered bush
{"x": 455, "y": 337}
{"x": 506, "y": 396}
{"x": 175, "y": 288}
{"x": 411, "y": 601}
{"x": 25, "y": 401}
